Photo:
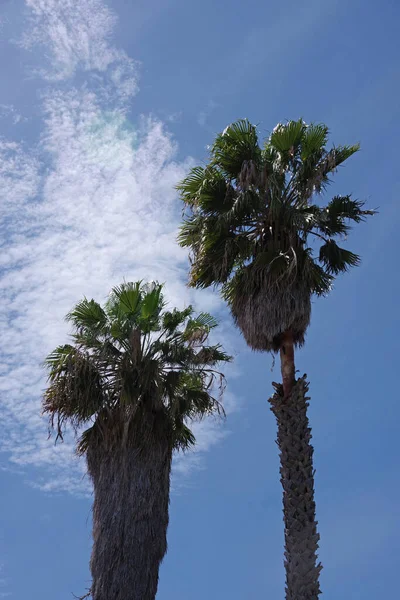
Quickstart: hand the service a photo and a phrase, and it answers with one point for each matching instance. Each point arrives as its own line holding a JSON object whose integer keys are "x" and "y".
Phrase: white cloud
{"x": 94, "y": 204}
{"x": 19, "y": 178}
{"x": 77, "y": 35}
{"x": 8, "y": 111}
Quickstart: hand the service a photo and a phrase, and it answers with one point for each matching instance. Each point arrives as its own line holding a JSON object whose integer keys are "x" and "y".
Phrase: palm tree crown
{"x": 131, "y": 360}
{"x": 253, "y": 225}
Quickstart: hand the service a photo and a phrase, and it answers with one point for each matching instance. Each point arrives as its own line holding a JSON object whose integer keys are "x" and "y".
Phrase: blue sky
{"x": 103, "y": 107}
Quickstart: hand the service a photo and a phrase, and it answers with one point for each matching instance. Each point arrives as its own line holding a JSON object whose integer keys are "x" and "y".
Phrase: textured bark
{"x": 130, "y": 515}
{"x": 287, "y": 362}
{"x": 297, "y": 478}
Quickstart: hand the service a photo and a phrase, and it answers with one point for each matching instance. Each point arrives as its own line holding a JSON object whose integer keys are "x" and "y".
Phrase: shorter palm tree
{"x": 129, "y": 384}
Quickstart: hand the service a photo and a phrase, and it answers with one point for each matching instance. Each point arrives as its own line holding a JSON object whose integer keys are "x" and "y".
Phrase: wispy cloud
{"x": 204, "y": 115}
{"x": 8, "y": 111}
{"x": 93, "y": 204}
{"x": 19, "y": 176}
{"x": 77, "y": 36}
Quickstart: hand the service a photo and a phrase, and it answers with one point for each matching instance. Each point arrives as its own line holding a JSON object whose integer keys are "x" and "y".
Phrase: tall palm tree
{"x": 129, "y": 384}
{"x": 255, "y": 227}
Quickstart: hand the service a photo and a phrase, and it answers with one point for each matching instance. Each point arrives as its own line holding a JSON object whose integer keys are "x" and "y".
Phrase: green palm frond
{"x": 318, "y": 280}
{"x": 340, "y": 154}
{"x": 215, "y": 259}
{"x": 88, "y": 315}
{"x": 207, "y": 189}
{"x": 171, "y": 320}
{"x": 88, "y": 438}
{"x": 270, "y": 159}
{"x": 335, "y": 259}
{"x": 195, "y": 399}
{"x": 242, "y": 209}
{"x": 197, "y": 404}
{"x": 211, "y": 356}
{"x": 233, "y": 287}
{"x": 198, "y": 329}
{"x": 273, "y": 262}
{"x": 124, "y": 300}
{"x": 151, "y": 306}
{"x": 56, "y": 361}
{"x": 191, "y": 231}
{"x": 75, "y": 392}
{"x": 176, "y": 353}
{"x": 314, "y": 140}
{"x": 236, "y": 145}
{"x": 303, "y": 218}
{"x": 287, "y": 136}
{"x": 190, "y": 187}
{"x": 205, "y": 320}
{"x": 342, "y": 208}
{"x": 183, "y": 435}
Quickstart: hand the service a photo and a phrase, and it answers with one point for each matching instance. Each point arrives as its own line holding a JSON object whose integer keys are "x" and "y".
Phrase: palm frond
{"x": 171, "y": 320}
{"x": 211, "y": 356}
{"x": 203, "y": 319}
{"x": 215, "y": 259}
{"x": 245, "y": 205}
{"x": 287, "y": 137}
{"x": 190, "y": 187}
{"x": 319, "y": 281}
{"x": 335, "y": 259}
{"x": 151, "y": 306}
{"x": 236, "y": 145}
{"x": 88, "y": 438}
{"x": 340, "y": 154}
{"x": 89, "y": 315}
{"x": 198, "y": 329}
{"x": 175, "y": 353}
{"x": 124, "y": 300}
{"x": 184, "y": 438}
{"x": 172, "y": 381}
{"x": 191, "y": 231}
{"x": 341, "y": 208}
{"x": 314, "y": 140}
{"x": 56, "y": 361}
{"x": 75, "y": 392}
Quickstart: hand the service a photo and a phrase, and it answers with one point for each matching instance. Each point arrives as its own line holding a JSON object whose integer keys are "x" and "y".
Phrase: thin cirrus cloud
{"x": 77, "y": 36}
{"x": 93, "y": 204}
{"x": 8, "y": 112}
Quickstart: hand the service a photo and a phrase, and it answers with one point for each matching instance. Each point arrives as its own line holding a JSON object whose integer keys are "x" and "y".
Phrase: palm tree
{"x": 129, "y": 384}
{"x": 255, "y": 228}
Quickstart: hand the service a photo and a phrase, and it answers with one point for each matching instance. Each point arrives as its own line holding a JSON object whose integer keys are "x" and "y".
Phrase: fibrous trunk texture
{"x": 297, "y": 478}
{"x": 130, "y": 517}
{"x": 287, "y": 362}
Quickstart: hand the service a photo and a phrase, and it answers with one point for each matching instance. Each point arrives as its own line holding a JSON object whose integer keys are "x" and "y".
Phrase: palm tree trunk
{"x": 130, "y": 516}
{"x": 297, "y": 478}
{"x": 287, "y": 362}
